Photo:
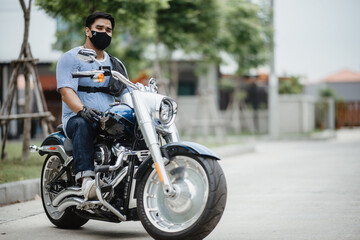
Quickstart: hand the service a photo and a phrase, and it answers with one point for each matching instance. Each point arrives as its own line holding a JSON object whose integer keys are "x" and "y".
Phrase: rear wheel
{"x": 53, "y": 165}
{"x": 197, "y": 206}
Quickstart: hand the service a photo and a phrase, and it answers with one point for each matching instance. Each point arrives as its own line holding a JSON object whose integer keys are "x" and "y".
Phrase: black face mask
{"x": 100, "y": 40}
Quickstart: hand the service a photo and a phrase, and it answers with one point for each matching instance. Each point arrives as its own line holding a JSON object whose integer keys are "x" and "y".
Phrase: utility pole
{"x": 273, "y": 98}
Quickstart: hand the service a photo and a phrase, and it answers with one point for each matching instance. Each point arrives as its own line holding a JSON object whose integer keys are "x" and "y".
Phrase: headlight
{"x": 167, "y": 112}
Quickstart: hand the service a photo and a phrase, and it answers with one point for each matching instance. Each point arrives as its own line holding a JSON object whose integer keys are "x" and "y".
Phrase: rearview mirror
{"x": 87, "y": 55}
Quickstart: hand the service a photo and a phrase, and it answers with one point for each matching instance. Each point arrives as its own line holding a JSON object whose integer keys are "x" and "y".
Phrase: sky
{"x": 314, "y": 38}
{"x": 41, "y": 35}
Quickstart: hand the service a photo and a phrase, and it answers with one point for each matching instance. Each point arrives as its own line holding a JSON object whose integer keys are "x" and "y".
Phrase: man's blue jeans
{"x": 82, "y": 135}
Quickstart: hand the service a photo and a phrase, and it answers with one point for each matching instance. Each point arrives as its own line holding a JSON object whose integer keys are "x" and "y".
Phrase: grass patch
{"x": 13, "y": 169}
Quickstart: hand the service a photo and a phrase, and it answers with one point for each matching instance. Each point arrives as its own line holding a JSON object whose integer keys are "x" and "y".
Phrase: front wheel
{"x": 197, "y": 206}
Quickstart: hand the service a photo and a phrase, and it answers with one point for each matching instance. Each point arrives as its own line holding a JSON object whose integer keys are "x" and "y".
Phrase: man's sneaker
{"x": 89, "y": 189}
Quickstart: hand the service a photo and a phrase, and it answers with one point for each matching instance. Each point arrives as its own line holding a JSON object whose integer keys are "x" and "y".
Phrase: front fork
{"x": 151, "y": 139}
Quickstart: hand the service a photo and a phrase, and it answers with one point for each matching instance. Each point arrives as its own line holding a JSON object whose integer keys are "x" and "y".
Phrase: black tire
{"x": 67, "y": 219}
{"x": 208, "y": 218}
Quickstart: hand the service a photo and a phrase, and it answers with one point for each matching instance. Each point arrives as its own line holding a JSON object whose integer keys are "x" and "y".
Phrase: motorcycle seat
{"x": 67, "y": 143}
{"x": 68, "y": 146}
{"x": 60, "y": 128}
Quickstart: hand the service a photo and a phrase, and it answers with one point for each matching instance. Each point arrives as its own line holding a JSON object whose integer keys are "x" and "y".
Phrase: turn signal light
{"x": 101, "y": 77}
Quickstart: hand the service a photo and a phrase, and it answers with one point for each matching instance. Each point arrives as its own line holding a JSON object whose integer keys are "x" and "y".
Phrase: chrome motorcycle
{"x": 144, "y": 172}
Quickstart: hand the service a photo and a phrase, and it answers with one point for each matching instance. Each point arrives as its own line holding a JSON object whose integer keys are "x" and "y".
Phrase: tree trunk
{"x": 27, "y": 121}
{"x": 27, "y": 72}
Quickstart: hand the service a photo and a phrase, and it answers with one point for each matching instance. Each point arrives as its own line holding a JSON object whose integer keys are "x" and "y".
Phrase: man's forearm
{"x": 71, "y": 99}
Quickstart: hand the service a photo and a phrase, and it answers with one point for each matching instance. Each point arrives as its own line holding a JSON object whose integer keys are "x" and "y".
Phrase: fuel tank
{"x": 119, "y": 121}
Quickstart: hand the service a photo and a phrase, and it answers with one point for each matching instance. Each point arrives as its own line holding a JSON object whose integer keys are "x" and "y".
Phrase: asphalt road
{"x": 284, "y": 190}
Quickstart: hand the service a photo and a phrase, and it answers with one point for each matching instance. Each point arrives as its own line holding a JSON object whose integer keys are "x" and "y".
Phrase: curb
{"x": 26, "y": 190}
{"x": 19, "y": 191}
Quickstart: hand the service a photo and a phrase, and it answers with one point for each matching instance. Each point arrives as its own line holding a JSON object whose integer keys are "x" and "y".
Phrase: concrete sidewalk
{"x": 26, "y": 190}
{"x": 19, "y": 191}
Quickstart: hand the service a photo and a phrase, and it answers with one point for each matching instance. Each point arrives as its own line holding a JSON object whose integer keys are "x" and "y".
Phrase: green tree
{"x": 202, "y": 26}
{"x": 290, "y": 86}
{"x": 246, "y": 33}
{"x": 187, "y": 24}
{"x": 191, "y": 25}
{"x": 133, "y": 18}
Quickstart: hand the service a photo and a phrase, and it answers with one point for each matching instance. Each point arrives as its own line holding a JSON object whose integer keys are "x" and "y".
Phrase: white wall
{"x": 296, "y": 113}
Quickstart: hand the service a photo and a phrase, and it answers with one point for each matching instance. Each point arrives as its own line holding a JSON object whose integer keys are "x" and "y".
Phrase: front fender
{"x": 188, "y": 148}
{"x": 177, "y": 148}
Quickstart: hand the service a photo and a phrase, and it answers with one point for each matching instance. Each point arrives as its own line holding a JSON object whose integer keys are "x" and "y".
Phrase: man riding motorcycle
{"x": 83, "y": 101}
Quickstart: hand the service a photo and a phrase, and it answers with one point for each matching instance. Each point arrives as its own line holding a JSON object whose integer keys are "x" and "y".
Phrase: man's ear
{"x": 88, "y": 32}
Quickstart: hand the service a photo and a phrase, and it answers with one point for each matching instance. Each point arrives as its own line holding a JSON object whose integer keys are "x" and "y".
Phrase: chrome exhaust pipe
{"x": 65, "y": 193}
{"x": 70, "y": 202}
{"x": 78, "y": 192}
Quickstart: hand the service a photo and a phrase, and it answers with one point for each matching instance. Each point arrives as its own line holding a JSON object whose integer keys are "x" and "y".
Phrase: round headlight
{"x": 166, "y": 112}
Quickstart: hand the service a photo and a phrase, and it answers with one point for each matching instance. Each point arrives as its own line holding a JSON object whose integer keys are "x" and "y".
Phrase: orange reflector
{"x": 101, "y": 77}
{"x": 52, "y": 148}
{"x": 158, "y": 171}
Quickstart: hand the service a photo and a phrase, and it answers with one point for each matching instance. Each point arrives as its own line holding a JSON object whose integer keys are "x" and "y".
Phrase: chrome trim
{"x": 119, "y": 177}
{"x": 33, "y": 148}
{"x": 119, "y": 159}
{"x": 172, "y": 135}
{"x": 65, "y": 193}
{"x": 67, "y": 161}
{"x": 70, "y": 202}
{"x": 152, "y": 85}
{"x": 180, "y": 211}
{"x": 164, "y": 126}
{"x": 58, "y": 149}
{"x": 126, "y": 99}
{"x": 132, "y": 200}
{"x": 79, "y": 203}
{"x": 105, "y": 203}
{"x": 141, "y": 154}
{"x": 151, "y": 138}
{"x": 124, "y": 80}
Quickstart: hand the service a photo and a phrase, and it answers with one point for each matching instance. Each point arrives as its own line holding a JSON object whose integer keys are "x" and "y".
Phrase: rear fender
{"x": 57, "y": 138}
{"x": 54, "y": 144}
{"x": 177, "y": 148}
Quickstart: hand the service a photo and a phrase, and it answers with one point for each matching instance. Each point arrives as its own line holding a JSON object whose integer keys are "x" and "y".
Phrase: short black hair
{"x": 92, "y": 17}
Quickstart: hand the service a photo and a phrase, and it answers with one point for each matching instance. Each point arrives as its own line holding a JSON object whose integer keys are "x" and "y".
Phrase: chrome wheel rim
{"x": 179, "y": 212}
{"x": 52, "y": 168}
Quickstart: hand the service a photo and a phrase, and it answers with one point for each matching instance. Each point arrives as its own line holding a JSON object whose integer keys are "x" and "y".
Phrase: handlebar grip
{"x": 80, "y": 75}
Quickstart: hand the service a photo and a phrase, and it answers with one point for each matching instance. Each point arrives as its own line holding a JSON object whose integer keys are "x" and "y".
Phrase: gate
{"x": 347, "y": 114}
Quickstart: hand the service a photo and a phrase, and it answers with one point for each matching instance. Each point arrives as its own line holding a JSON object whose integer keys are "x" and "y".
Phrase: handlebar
{"x": 82, "y": 74}
{"x": 115, "y": 74}
{"x": 124, "y": 80}
{"x": 87, "y": 73}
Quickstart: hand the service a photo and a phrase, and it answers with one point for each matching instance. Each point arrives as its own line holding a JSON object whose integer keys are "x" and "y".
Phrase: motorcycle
{"x": 143, "y": 171}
